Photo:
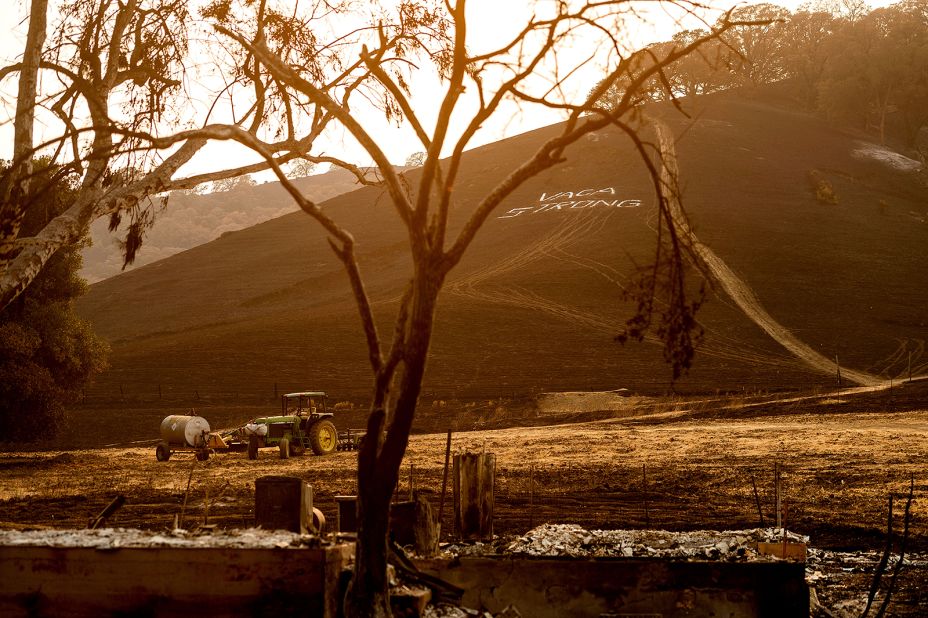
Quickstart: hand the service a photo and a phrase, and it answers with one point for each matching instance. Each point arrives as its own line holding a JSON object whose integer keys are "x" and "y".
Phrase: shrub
{"x": 824, "y": 191}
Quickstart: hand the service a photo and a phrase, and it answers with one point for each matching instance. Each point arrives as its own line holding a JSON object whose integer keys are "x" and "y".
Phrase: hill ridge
{"x": 536, "y": 302}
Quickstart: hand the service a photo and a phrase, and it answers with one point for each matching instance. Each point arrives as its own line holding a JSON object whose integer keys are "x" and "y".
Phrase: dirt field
{"x": 672, "y": 470}
{"x": 838, "y": 473}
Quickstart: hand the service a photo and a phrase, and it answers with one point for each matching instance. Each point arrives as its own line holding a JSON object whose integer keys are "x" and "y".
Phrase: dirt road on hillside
{"x": 560, "y": 245}
{"x": 474, "y": 285}
{"x": 734, "y": 286}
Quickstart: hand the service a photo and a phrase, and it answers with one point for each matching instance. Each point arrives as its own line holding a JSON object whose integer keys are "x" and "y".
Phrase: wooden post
{"x": 474, "y": 480}
{"x": 427, "y": 529}
{"x": 105, "y": 514}
{"x": 444, "y": 480}
{"x": 413, "y": 523}
{"x": 183, "y": 509}
{"x": 644, "y": 475}
{"x": 760, "y": 511}
{"x": 784, "y": 528}
{"x": 283, "y": 503}
{"x": 347, "y": 517}
{"x": 531, "y": 496}
{"x": 776, "y": 482}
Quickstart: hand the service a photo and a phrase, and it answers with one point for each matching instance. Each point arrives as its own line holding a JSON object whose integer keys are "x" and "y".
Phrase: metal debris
{"x": 560, "y": 540}
{"x": 445, "y": 610}
{"x": 836, "y": 577}
{"x": 112, "y": 538}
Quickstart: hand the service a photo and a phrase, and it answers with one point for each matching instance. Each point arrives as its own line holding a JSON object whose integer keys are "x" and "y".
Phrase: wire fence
{"x": 161, "y": 395}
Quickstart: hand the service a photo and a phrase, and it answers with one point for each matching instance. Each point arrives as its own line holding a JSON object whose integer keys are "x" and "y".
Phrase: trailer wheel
{"x": 323, "y": 437}
{"x": 284, "y": 448}
{"x": 253, "y": 447}
{"x": 162, "y": 451}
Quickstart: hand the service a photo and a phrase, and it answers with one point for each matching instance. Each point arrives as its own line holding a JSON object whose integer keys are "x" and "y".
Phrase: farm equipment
{"x": 187, "y": 433}
{"x": 304, "y": 423}
{"x": 350, "y": 439}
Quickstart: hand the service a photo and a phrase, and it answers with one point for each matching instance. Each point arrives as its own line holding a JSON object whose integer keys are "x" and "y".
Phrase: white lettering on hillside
{"x": 571, "y": 194}
{"x": 566, "y": 200}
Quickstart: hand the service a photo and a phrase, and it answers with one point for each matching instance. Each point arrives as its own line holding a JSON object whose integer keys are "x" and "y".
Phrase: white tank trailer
{"x": 183, "y": 433}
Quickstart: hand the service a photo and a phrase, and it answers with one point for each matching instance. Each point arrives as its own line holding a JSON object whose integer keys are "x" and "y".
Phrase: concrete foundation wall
{"x": 55, "y": 581}
{"x": 545, "y": 588}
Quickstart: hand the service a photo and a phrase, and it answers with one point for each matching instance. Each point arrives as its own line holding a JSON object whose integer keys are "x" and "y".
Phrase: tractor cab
{"x": 309, "y": 405}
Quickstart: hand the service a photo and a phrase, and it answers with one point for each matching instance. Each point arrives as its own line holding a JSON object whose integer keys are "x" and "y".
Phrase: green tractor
{"x": 304, "y": 423}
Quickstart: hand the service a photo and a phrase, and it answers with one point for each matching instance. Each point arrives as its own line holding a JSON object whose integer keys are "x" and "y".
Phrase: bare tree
{"x": 296, "y": 85}
{"x": 230, "y": 184}
{"x": 416, "y": 159}
{"x": 755, "y": 53}
{"x": 301, "y": 168}
{"x": 399, "y": 367}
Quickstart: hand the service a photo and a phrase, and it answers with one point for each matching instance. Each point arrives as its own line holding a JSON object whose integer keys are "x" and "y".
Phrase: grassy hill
{"x": 535, "y": 304}
{"x": 192, "y": 220}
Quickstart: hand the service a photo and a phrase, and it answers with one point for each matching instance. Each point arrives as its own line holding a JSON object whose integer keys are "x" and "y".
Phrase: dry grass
{"x": 839, "y": 470}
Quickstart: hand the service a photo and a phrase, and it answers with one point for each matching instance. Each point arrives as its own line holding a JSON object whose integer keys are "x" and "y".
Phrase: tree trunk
{"x": 368, "y": 594}
{"x": 15, "y": 186}
{"x": 67, "y": 227}
{"x": 379, "y": 459}
{"x": 883, "y": 124}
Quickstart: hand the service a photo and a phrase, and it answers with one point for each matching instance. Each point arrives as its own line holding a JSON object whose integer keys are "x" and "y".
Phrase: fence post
{"x": 444, "y": 480}
{"x": 776, "y": 481}
{"x": 474, "y": 480}
{"x": 644, "y": 476}
{"x": 283, "y": 502}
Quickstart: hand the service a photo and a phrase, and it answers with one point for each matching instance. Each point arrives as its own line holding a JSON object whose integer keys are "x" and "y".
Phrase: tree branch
{"x": 339, "y": 112}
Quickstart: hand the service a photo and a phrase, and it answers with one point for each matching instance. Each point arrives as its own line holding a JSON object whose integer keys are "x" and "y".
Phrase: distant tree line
{"x": 863, "y": 68}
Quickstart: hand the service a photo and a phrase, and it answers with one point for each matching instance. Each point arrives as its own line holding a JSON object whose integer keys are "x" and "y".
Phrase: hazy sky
{"x": 490, "y": 21}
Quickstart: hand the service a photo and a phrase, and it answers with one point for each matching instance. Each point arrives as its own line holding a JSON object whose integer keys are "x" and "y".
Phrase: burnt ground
{"x": 537, "y": 301}
{"x": 676, "y": 465}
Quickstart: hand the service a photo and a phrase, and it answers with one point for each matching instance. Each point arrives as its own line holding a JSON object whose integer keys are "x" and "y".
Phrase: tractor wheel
{"x": 284, "y": 448}
{"x": 162, "y": 451}
{"x": 202, "y": 455}
{"x": 253, "y": 447}
{"x": 323, "y": 437}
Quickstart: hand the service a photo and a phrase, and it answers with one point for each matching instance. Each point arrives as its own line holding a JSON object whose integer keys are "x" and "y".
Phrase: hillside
{"x": 536, "y": 303}
{"x": 192, "y": 220}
